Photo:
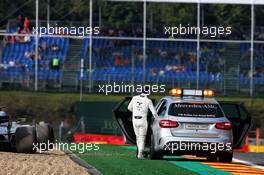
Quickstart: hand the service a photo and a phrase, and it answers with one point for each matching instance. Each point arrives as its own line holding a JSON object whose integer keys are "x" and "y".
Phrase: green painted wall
{"x": 98, "y": 117}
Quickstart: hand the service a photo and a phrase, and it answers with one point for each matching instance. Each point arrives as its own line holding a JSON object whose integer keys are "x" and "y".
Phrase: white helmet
{"x": 3, "y": 114}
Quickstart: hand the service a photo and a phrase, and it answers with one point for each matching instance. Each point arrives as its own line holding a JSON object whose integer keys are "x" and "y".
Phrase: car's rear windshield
{"x": 195, "y": 110}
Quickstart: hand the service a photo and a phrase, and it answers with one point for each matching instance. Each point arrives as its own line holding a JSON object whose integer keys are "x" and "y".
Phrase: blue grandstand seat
{"x": 17, "y": 52}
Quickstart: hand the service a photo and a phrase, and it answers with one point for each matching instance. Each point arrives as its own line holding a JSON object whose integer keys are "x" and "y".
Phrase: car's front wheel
{"x": 25, "y": 138}
{"x": 226, "y": 157}
{"x": 154, "y": 155}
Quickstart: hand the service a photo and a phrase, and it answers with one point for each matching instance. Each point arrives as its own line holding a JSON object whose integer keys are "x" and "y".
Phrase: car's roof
{"x": 172, "y": 99}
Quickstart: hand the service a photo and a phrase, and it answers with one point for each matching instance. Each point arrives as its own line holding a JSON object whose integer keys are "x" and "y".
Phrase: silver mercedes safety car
{"x": 190, "y": 122}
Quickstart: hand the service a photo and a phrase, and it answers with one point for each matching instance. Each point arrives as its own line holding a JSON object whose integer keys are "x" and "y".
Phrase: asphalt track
{"x": 255, "y": 158}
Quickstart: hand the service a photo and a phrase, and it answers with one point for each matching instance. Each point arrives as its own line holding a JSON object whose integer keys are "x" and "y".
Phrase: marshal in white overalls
{"x": 139, "y": 106}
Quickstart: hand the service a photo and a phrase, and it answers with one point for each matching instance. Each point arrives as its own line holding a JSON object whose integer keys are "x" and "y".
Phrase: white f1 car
{"x": 23, "y": 138}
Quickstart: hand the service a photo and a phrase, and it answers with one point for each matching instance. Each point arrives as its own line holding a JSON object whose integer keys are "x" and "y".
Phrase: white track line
{"x": 248, "y": 163}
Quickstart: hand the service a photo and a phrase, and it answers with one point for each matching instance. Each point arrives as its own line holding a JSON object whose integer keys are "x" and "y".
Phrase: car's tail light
{"x": 224, "y": 125}
{"x": 168, "y": 124}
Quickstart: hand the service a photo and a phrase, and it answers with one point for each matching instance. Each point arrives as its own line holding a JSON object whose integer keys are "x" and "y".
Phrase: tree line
{"x": 123, "y": 14}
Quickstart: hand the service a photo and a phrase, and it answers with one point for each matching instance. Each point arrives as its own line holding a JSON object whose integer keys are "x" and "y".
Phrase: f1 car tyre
{"x": 154, "y": 155}
{"x": 45, "y": 135}
{"x": 51, "y": 134}
{"x": 226, "y": 157}
{"x": 25, "y": 138}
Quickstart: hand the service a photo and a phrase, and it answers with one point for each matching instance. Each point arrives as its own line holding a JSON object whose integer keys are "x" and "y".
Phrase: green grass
{"x": 115, "y": 160}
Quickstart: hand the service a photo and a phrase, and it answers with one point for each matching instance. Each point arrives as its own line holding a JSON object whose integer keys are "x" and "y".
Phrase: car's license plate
{"x": 196, "y": 126}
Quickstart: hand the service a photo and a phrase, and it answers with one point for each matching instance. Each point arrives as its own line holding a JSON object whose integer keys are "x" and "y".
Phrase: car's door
{"x": 240, "y": 119}
{"x": 123, "y": 117}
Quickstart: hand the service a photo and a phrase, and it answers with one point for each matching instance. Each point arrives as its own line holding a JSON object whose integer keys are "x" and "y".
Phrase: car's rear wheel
{"x": 154, "y": 155}
{"x": 45, "y": 136}
{"x": 25, "y": 138}
{"x": 226, "y": 157}
{"x": 51, "y": 135}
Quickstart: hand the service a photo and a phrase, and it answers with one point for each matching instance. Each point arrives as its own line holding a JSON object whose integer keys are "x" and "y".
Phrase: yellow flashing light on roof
{"x": 191, "y": 92}
{"x": 208, "y": 93}
{"x": 176, "y": 92}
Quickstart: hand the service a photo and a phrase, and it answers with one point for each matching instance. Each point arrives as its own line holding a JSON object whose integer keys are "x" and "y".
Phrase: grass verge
{"x": 114, "y": 160}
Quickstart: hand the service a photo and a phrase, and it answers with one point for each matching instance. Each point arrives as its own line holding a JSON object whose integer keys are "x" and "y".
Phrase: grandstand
{"x": 164, "y": 65}
{"x": 23, "y": 67}
{"x": 224, "y": 66}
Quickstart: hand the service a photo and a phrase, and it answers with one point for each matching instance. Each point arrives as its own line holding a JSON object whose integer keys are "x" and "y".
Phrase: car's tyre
{"x": 45, "y": 135}
{"x": 51, "y": 134}
{"x": 25, "y": 139}
{"x": 212, "y": 158}
{"x": 154, "y": 155}
{"x": 226, "y": 157}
